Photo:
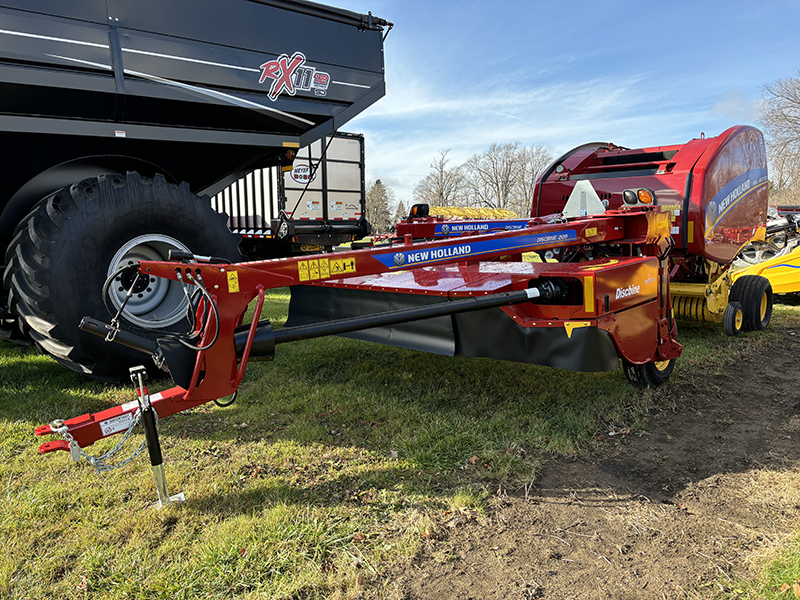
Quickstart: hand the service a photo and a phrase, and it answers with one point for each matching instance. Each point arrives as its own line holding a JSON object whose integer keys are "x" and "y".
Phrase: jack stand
{"x": 148, "y": 421}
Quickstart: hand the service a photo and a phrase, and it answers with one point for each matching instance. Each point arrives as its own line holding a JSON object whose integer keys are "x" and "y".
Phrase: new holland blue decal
{"x": 729, "y": 196}
{"x": 458, "y": 227}
{"x": 430, "y": 256}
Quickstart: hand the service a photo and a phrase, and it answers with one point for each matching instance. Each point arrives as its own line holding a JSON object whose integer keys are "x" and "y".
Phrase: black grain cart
{"x": 119, "y": 117}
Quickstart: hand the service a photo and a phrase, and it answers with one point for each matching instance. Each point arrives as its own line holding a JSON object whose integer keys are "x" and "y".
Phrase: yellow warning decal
{"x": 324, "y": 268}
{"x": 674, "y": 209}
{"x": 313, "y": 269}
{"x": 588, "y": 294}
{"x": 341, "y": 266}
{"x": 302, "y": 270}
{"x": 591, "y": 231}
{"x": 233, "y": 282}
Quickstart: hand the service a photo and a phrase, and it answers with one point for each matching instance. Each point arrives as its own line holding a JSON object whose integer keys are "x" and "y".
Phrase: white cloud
{"x": 457, "y": 80}
{"x": 406, "y": 130}
{"x": 736, "y": 107}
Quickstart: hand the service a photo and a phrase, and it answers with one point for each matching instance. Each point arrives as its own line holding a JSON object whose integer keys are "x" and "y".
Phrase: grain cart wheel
{"x": 733, "y": 319}
{"x": 754, "y": 293}
{"x": 79, "y": 236}
{"x": 650, "y": 374}
{"x": 15, "y": 329}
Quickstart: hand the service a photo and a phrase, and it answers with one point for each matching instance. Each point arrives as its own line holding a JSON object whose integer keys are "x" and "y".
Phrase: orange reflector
{"x": 645, "y": 196}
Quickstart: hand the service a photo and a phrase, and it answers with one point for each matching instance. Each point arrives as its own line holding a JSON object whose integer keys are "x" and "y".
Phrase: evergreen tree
{"x": 400, "y": 214}
{"x": 378, "y": 199}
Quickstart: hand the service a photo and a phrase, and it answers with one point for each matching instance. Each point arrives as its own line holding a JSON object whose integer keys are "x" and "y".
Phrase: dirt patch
{"x": 708, "y": 489}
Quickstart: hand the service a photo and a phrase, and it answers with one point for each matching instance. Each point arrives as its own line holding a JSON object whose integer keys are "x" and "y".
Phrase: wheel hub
{"x": 128, "y": 279}
{"x": 155, "y": 302}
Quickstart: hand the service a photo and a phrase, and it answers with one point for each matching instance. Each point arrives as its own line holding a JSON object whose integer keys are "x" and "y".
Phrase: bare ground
{"x": 701, "y": 496}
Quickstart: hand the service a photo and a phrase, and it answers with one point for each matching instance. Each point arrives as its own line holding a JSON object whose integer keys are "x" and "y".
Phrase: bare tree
{"x": 377, "y": 203}
{"x": 442, "y": 186}
{"x": 504, "y": 176}
{"x": 780, "y": 120}
{"x": 492, "y": 175}
{"x": 533, "y": 161}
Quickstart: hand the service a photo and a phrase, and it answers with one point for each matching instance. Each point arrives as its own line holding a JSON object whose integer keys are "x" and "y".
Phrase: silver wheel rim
{"x": 162, "y": 302}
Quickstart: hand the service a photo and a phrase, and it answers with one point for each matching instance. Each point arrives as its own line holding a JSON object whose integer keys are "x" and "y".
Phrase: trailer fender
{"x": 65, "y": 174}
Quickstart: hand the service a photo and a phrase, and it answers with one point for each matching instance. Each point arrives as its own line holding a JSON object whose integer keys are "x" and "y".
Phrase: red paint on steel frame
{"x": 233, "y": 287}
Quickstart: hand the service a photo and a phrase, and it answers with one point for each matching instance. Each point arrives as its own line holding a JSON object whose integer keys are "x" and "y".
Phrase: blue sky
{"x": 463, "y": 74}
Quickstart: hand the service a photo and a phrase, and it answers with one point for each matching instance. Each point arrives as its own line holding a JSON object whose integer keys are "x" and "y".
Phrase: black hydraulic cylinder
{"x": 339, "y": 326}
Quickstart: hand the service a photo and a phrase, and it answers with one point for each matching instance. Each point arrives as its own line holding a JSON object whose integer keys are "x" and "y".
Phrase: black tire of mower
{"x": 650, "y": 374}
{"x": 59, "y": 262}
{"x": 733, "y": 318}
{"x": 754, "y": 293}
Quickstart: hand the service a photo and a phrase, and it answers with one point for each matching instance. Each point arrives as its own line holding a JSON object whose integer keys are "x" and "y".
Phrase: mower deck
{"x": 603, "y": 297}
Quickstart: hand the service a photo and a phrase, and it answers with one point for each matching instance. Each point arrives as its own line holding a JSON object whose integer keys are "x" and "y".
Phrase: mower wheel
{"x": 78, "y": 236}
{"x": 650, "y": 374}
{"x": 754, "y": 293}
{"x": 733, "y": 319}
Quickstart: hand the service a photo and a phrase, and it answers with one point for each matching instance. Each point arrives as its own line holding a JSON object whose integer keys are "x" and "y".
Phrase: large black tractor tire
{"x": 650, "y": 374}
{"x": 75, "y": 238}
{"x": 13, "y": 328}
{"x": 754, "y": 293}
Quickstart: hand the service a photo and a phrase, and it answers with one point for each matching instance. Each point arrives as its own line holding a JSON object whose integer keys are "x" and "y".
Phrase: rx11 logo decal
{"x": 289, "y": 74}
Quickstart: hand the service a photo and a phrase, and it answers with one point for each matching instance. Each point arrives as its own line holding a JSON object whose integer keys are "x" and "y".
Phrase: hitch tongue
{"x": 149, "y": 420}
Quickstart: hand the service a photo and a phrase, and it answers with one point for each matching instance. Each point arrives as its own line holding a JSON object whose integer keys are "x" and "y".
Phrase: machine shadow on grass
{"x": 710, "y": 419}
{"x": 34, "y": 387}
{"x": 439, "y": 413}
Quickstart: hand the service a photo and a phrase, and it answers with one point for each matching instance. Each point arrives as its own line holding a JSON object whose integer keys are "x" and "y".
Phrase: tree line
{"x": 503, "y": 176}
{"x": 780, "y": 122}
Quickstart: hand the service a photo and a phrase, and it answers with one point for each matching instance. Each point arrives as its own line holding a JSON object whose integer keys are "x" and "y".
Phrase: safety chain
{"x": 99, "y": 463}
{"x": 114, "y": 329}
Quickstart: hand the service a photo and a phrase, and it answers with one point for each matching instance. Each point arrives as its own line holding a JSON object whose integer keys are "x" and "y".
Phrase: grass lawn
{"x": 328, "y": 468}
